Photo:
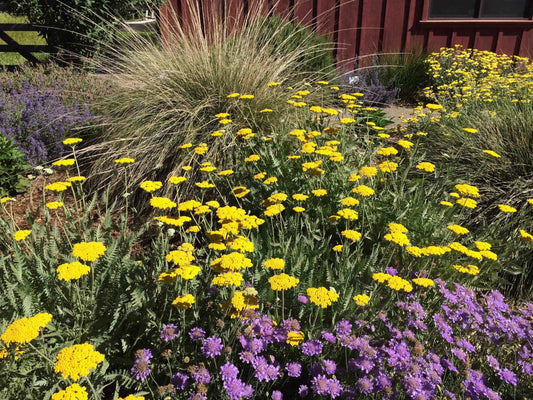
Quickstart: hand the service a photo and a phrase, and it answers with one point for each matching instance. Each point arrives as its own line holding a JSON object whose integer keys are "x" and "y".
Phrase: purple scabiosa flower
{"x": 291, "y": 324}
{"x": 493, "y": 362}
{"x": 196, "y": 334}
{"x": 391, "y": 271}
{"x": 212, "y": 347}
{"x": 508, "y": 376}
{"x": 246, "y": 357}
{"x": 253, "y": 345}
{"x": 294, "y": 369}
{"x": 234, "y": 388}
{"x": 329, "y": 366}
{"x": 247, "y": 391}
{"x": 329, "y": 337}
{"x": 475, "y": 386}
{"x": 444, "y": 329}
{"x": 180, "y": 380}
{"x": 343, "y": 327}
{"x": 465, "y": 344}
{"x": 460, "y": 354}
{"x": 303, "y": 299}
{"x": 169, "y": 332}
{"x": 277, "y": 395}
{"x": 383, "y": 381}
{"x": 334, "y": 388}
{"x": 141, "y": 366}
{"x": 449, "y": 365}
{"x": 197, "y": 396}
{"x": 201, "y": 375}
{"x": 312, "y": 347}
{"x": 260, "y": 365}
{"x": 450, "y": 395}
{"x": 228, "y": 371}
{"x": 364, "y": 364}
{"x": 303, "y": 391}
{"x": 320, "y": 384}
{"x": 527, "y": 368}
{"x": 365, "y": 385}
{"x": 141, "y": 369}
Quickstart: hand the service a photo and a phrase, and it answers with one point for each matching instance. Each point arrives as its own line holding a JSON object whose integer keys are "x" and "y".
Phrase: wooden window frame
{"x": 426, "y": 20}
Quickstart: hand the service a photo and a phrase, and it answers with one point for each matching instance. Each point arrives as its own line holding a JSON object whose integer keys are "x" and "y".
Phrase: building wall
{"x": 361, "y": 28}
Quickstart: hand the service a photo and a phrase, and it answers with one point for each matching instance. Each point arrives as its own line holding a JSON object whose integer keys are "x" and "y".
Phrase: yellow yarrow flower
{"x": 282, "y": 282}
{"x": 228, "y": 279}
{"x": 274, "y": 263}
{"x": 75, "y": 361}
{"x": 246, "y": 96}
{"x": 348, "y": 213}
{"x": 6, "y": 199}
{"x": 73, "y": 270}
{"x": 204, "y": 185}
{"x": 369, "y": 172}
{"x": 58, "y": 186}
{"x": 21, "y": 235}
{"x": 162, "y": 203}
{"x": 221, "y": 115}
{"x": 274, "y": 210}
{"x": 270, "y": 180}
{"x": 294, "y": 338}
{"x": 124, "y": 160}
{"x": 72, "y": 392}
{"x": 176, "y": 179}
{"x": 387, "y": 166}
{"x": 406, "y": 144}
{"x": 298, "y": 209}
{"x": 225, "y": 172}
{"x": 54, "y": 205}
{"x": 387, "y": 151}
{"x": 76, "y": 179}
{"x": 231, "y": 95}
{"x": 465, "y": 202}
{"x": 24, "y": 330}
{"x": 526, "y": 236}
{"x": 349, "y": 201}
{"x": 457, "y": 229}
{"x": 470, "y": 130}
{"x": 71, "y": 141}
{"x": 468, "y": 190}
{"x": 363, "y": 190}
{"x": 507, "y": 209}
{"x": 322, "y": 297}
{"x": 351, "y": 234}
{"x": 338, "y": 248}
{"x": 300, "y": 197}
{"x": 319, "y": 192}
{"x": 240, "y": 191}
{"x": 271, "y": 84}
{"x": 381, "y": 277}
{"x": 424, "y": 282}
{"x": 492, "y": 153}
{"x": 467, "y": 269}
{"x": 361, "y": 299}
{"x": 88, "y": 251}
{"x": 131, "y": 397}
{"x": 151, "y": 186}
{"x": 426, "y": 166}
{"x": 446, "y": 203}
{"x": 64, "y": 163}
{"x": 252, "y": 158}
{"x": 184, "y": 302}
{"x": 397, "y": 283}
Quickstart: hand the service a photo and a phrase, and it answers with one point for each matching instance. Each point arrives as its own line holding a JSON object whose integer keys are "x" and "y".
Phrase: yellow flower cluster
{"x": 274, "y": 263}
{"x": 351, "y": 234}
{"x": 88, "y": 251}
{"x": 162, "y": 203}
{"x": 294, "y": 338}
{"x": 73, "y": 362}
{"x": 397, "y": 234}
{"x": 228, "y": 279}
{"x": 73, "y": 270}
{"x": 71, "y": 141}
{"x": 24, "y": 330}
{"x": 174, "y": 221}
{"x": 151, "y": 186}
{"x": 231, "y": 262}
{"x": 322, "y": 297}
{"x": 283, "y": 282}
{"x": 458, "y": 229}
{"x": 467, "y": 269}
{"x": 58, "y": 186}
{"x": 363, "y": 190}
{"x": 184, "y": 302}
{"x": 64, "y": 163}
{"x": 21, "y": 235}
{"x": 361, "y": 299}
{"x": 72, "y": 392}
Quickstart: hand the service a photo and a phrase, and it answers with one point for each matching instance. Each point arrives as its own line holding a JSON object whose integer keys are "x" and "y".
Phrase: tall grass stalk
{"x": 167, "y": 95}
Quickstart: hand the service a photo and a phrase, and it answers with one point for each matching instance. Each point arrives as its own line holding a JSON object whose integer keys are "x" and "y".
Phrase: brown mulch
{"x": 29, "y": 205}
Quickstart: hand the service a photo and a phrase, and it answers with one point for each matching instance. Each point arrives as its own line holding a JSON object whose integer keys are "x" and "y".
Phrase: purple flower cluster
{"x": 235, "y": 388}
{"x": 37, "y": 120}
{"x": 141, "y": 366}
{"x": 169, "y": 332}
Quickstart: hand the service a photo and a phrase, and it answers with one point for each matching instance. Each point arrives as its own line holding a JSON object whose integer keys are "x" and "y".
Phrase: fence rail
{"x": 25, "y": 50}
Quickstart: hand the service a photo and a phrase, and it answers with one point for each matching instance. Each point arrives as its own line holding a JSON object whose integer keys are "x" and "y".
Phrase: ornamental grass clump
{"x": 197, "y": 87}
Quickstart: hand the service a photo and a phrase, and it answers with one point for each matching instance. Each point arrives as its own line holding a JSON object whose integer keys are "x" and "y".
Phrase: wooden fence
{"x": 360, "y": 28}
{"x": 25, "y": 50}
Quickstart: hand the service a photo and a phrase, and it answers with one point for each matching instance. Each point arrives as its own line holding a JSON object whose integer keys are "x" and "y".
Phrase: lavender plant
{"x": 37, "y": 120}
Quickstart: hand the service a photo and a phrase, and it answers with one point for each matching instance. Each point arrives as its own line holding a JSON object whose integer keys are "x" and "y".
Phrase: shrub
{"x": 76, "y": 26}
{"x": 166, "y": 97}
{"x": 12, "y": 167}
{"x": 37, "y": 120}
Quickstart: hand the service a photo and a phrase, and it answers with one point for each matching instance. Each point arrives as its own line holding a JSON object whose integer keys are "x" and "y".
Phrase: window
{"x": 489, "y": 9}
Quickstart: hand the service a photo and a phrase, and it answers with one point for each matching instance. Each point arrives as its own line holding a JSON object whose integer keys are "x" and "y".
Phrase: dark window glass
{"x": 452, "y": 9}
{"x": 505, "y": 8}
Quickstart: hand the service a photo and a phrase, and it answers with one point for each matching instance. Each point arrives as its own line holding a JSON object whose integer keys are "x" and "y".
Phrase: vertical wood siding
{"x": 361, "y": 28}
